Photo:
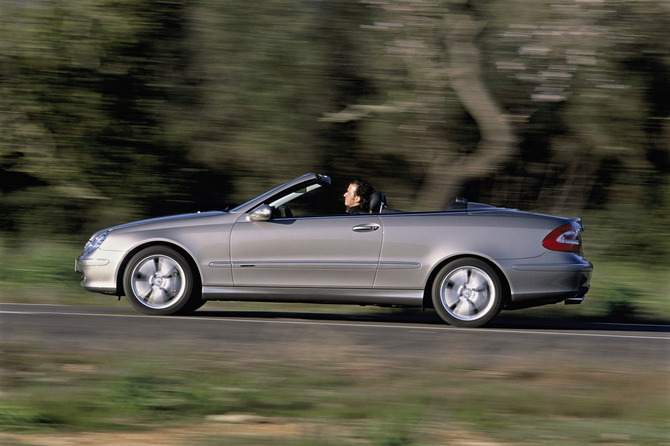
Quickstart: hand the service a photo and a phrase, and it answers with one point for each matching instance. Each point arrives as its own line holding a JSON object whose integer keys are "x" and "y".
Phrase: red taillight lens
{"x": 565, "y": 238}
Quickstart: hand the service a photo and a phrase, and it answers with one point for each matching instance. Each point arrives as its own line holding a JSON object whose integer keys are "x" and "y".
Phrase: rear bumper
{"x": 539, "y": 284}
{"x": 579, "y": 298}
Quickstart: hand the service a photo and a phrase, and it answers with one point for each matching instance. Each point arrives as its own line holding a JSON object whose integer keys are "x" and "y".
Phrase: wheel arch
{"x": 197, "y": 276}
{"x": 427, "y": 293}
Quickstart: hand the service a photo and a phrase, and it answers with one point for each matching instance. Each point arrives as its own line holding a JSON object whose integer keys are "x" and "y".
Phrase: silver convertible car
{"x": 468, "y": 261}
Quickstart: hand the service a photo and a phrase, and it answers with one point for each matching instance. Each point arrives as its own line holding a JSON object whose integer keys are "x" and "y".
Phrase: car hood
{"x": 169, "y": 221}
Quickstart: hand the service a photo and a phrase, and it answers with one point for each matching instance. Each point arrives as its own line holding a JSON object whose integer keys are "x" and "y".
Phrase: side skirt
{"x": 360, "y": 296}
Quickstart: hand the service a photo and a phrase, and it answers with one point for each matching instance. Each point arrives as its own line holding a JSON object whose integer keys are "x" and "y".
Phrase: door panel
{"x": 334, "y": 251}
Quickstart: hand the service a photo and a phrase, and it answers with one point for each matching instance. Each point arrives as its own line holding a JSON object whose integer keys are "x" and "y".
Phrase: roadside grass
{"x": 39, "y": 271}
{"x": 298, "y": 397}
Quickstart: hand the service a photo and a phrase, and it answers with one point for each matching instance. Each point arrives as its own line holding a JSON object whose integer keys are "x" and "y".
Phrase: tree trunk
{"x": 497, "y": 144}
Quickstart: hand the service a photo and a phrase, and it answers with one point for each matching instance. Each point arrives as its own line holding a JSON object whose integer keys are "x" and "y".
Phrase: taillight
{"x": 564, "y": 238}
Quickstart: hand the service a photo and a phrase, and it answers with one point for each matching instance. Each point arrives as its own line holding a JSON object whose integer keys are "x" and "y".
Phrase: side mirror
{"x": 261, "y": 213}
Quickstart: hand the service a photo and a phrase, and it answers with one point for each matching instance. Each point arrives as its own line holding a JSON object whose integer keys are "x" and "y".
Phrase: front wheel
{"x": 158, "y": 280}
{"x": 467, "y": 293}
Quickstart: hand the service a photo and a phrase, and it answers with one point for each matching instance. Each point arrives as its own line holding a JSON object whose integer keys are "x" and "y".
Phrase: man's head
{"x": 358, "y": 193}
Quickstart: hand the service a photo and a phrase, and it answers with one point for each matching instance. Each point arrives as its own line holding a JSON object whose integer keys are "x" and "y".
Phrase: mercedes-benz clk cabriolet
{"x": 468, "y": 261}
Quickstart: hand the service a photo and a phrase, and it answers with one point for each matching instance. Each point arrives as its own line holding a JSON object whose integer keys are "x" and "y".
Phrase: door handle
{"x": 365, "y": 228}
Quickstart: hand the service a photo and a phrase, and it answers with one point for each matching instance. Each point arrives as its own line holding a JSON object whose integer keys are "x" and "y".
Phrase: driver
{"x": 357, "y": 197}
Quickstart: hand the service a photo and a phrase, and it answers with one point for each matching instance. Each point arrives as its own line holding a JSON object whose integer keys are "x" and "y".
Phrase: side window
{"x": 312, "y": 202}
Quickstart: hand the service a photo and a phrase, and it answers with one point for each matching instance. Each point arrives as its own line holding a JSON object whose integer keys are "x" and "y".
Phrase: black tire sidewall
{"x": 451, "y": 319}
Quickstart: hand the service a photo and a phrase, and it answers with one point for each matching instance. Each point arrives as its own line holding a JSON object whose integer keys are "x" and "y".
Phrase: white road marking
{"x": 394, "y": 326}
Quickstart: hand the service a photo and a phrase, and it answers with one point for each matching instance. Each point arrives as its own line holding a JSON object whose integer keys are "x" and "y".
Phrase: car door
{"x": 329, "y": 251}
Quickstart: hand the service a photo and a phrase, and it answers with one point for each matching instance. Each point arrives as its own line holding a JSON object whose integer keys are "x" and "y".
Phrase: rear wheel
{"x": 467, "y": 293}
{"x": 158, "y": 280}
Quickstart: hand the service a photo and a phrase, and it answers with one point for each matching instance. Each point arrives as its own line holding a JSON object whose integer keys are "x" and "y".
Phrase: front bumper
{"x": 99, "y": 271}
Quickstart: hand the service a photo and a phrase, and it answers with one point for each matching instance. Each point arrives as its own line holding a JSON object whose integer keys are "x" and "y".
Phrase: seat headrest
{"x": 458, "y": 204}
{"x": 377, "y": 202}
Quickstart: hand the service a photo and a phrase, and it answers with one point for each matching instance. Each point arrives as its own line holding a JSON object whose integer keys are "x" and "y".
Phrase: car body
{"x": 468, "y": 261}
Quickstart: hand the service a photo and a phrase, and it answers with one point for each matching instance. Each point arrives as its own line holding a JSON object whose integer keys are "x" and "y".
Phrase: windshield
{"x": 307, "y": 178}
{"x": 312, "y": 200}
{"x": 293, "y": 195}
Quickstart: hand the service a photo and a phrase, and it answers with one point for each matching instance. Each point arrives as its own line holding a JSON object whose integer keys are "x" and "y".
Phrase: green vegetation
{"x": 39, "y": 271}
{"x": 369, "y": 402}
{"x": 120, "y": 109}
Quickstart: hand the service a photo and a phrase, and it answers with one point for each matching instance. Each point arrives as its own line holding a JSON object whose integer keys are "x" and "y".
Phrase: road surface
{"x": 399, "y": 336}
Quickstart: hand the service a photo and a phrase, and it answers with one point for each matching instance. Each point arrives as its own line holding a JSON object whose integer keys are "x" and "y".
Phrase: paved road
{"x": 400, "y": 337}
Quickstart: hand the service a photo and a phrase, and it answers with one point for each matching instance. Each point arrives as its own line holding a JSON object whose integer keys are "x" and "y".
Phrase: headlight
{"x": 95, "y": 241}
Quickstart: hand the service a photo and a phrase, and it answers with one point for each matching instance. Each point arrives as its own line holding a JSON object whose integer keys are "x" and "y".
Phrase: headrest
{"x": 377, "y": 200}
{"x": 458, "y": 204}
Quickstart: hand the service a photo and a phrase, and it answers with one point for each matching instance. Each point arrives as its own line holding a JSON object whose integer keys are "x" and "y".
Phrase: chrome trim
{"x": 365, "y": 228}
{"x": 79, "y": 263}
{"x": 399, "y": 265}
{"x": 553, "y": 267}
{"x": 307, "y": 265}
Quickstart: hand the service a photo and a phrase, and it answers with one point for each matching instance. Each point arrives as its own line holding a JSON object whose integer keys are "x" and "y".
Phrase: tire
{"x": 159, "y": 281}
{"x": 467, "y": 293}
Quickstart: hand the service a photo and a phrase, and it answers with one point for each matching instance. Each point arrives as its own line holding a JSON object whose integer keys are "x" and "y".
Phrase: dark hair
{"x": 365, "y": 191}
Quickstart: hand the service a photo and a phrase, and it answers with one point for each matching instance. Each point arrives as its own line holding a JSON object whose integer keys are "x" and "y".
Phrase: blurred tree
{"x": 84, "y": 87}
{"x": 523, "y": 103}
{"x": 588, "y": 108}
{"x": 164, "y": 106}
{"x": 451, "y": 129}
{"x": 49, "y": 53}
{"x": 263, "y": 75}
